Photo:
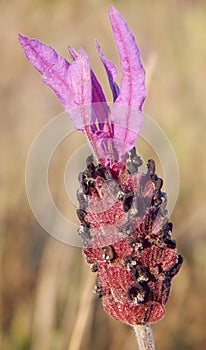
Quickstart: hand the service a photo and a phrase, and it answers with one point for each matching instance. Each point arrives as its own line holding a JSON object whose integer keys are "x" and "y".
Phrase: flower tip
{"x": 98, "y": 48}
{"x": 73, "y": 53}
{"x": 112, "y": 9}
{"x": 96, "y": 44}
{"x": 21, "y": 38}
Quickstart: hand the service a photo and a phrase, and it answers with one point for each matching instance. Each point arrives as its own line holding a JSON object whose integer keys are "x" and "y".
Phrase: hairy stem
{"x": 144, "y": 337}
{"x": 85, "y": 307}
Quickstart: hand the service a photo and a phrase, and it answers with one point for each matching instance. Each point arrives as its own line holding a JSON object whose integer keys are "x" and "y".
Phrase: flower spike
{"x": 124, "y": 226}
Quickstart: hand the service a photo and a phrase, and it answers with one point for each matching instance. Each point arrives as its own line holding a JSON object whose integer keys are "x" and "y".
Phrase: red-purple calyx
{"x": 128, "y": 239}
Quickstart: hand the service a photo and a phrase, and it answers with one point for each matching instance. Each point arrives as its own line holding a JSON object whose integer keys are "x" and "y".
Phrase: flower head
{"x": 126, "y": 234}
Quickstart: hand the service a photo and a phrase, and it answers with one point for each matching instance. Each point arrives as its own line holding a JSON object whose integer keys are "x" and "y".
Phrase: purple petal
{"x": 98, "y": 97}
{"x": 79, "y": 79}
{"x": 126, "y": 116}
{"x": 111, "y": 72}
{"x": 101, "y": 108}
{"x": 132, "y": 87}
{"x": 73, "y": 53}
{"x": 125, "y": 135}
{"x": 53, "y": 68}
{"x": 97, "y": 93}
{"x": 70, "y": 82}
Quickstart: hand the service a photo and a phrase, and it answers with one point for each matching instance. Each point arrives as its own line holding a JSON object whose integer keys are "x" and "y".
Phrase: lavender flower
{"x": 126, "y": 234}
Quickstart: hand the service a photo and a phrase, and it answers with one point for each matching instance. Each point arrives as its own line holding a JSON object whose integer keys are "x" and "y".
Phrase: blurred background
{"x": 46, "y": 298}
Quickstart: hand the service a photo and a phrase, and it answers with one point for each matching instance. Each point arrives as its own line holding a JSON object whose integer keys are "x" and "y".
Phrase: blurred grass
{"x": 40, "y": 277}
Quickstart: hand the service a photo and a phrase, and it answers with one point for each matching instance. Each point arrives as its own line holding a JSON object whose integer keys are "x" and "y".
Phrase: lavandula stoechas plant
{"x": 126, "y": 234}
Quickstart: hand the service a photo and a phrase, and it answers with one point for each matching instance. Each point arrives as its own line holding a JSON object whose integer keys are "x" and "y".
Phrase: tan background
{"x": 43, "y": 280}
